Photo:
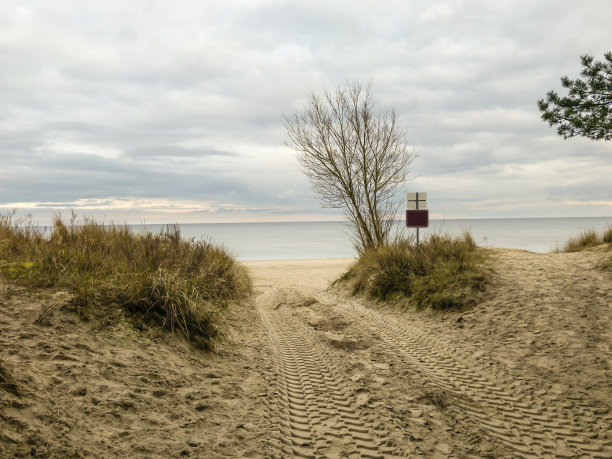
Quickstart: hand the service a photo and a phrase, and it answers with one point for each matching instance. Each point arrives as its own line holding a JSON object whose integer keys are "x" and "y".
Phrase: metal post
{"x": 417, "y": 208}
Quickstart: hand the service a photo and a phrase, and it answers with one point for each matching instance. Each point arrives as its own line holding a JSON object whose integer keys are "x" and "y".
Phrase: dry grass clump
{"x": 7, "y": 380}
{"x": 606, "y": 264}
{"x": 586, "y": 239}
{"x": 441, "y": 273}
{"x": 180, "y": 284}
{"x": 607, "y": 235}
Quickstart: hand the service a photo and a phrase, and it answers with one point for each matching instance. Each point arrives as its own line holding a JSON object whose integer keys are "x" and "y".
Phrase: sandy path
{"x": 526, "y": 425}
{"x": 411, "y": 385}
{"x": 313, "y": 410}
{"x": 316, "y": 413}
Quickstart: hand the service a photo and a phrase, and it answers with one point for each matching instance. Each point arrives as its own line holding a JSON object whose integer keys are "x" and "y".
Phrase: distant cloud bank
{"x": 164, "y": 112}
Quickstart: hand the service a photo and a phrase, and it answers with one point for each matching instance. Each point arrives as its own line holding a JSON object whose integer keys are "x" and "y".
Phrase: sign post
{"x": 417, "y": 214}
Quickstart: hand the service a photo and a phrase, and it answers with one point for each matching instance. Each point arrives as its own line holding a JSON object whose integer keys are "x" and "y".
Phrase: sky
{"x": 159, "y": 111}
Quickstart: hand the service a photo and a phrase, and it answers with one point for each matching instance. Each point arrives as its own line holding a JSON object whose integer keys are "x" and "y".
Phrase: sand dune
{"x": 310, "y": 371}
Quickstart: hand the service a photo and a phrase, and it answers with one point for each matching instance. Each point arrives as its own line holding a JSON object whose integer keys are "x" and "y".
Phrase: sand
{"x": 105, "y": 389}
{"x": 310, "y": 371}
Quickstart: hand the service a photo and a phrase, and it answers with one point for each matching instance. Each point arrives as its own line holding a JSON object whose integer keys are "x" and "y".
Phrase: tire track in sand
{"x": 527, "y": 426}
{"x": 313, "y": 410}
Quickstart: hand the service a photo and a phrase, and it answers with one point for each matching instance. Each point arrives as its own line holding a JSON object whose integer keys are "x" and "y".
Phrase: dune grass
{"x": 7, "y": 380}
{"x": 606, "y": 264}
{"x": 607, "y": 235}
{"x": 163, "y": 278}
{"x": 586, "y": 239}
{"x": 591, "y": 238}
{"x": 441, "y": 273}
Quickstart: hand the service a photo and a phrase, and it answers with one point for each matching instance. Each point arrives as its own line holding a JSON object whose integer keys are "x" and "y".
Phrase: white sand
{"x": 312, "y": 371}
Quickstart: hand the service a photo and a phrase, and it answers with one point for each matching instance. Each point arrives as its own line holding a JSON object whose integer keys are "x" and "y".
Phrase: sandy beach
{"x": 310, "y": 371}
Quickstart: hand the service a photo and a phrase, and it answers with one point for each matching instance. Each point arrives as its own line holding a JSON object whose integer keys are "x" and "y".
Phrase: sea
{"x": 316, "y": 240}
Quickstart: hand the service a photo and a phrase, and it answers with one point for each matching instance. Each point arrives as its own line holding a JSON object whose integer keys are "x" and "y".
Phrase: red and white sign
{"x": 417, "y": 215}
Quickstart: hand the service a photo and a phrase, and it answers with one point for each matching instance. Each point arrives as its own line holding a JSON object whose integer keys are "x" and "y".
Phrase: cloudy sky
{"x": 164, "y": 111}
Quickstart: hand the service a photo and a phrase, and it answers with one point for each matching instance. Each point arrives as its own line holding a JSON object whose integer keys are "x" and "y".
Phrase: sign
{"x": 417, "y": 201}
{"x": 417, "y": 218}
{"x": 417, "y": 215}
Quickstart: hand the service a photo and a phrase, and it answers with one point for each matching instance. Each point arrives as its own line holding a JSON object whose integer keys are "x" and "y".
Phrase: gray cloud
{"x": 145, "y": 100}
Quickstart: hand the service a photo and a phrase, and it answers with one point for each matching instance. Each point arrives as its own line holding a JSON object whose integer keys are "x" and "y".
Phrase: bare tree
{"x": 355, "y": 156}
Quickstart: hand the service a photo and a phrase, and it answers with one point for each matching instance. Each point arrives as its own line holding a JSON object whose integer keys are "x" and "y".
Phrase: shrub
{"x": 606, "y": 264}
{"x": 607, "y": 235}
{"x": 586, "y": 239}
{"x": 441, "y": 273}
{"x": 177, "y": 283}
{"x": 7, "y": 380}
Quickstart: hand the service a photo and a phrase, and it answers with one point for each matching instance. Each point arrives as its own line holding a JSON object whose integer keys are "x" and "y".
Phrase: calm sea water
{"x": 303, "y": 240}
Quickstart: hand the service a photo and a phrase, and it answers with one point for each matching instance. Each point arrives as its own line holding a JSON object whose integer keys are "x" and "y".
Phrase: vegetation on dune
{"x": 606, "y": 265}
{"x": 441, "y": 273}
{"x": 607, "y": 235}
{"x": 165, "y": 279}
{"x": 7, "y": 381}
{"x": 591, "y": 238}
{"x": 586, "y": 239}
